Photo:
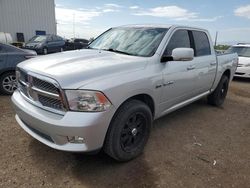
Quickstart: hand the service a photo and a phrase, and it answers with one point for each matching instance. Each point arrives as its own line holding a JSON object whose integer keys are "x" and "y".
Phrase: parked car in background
{"x": 243, "y": 51}
{"x": 44, "y": 44}
{"x": 5, "y": 38}
{"x": 107, "y": 96}
{"x": 10, "y": 56}
{"x": 76, "y": 43}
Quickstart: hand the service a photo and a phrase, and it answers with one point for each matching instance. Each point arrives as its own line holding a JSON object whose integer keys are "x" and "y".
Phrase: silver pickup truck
{"x": 107, "y": 96}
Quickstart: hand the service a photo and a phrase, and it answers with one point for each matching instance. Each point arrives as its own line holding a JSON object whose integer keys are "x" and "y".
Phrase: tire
{"x": 8, "y": 83}
{"x": 218, "y": 97}
{"x": 129, "y": 131}
{"x": 45, "y": 51}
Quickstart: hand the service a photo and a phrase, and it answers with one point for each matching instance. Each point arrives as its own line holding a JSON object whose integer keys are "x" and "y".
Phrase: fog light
{"x": 76, "y": 139}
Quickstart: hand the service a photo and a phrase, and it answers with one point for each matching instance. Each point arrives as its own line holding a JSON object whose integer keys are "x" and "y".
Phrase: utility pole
{"x": 74, "y": 24}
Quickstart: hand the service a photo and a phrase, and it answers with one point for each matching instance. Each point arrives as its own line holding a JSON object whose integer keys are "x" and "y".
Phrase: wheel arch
{"x": 227, "y": 73}
{"x": 6, "y": 71}
{"x": 143, "y": 97}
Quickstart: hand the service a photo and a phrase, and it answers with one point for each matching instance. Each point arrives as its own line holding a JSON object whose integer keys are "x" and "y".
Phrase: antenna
{"x": 216, "y": 37}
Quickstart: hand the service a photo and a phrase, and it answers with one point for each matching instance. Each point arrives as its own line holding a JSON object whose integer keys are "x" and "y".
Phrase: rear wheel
{"x": 217, "y": 98}
{"x": 45, "y": 51}
{"x": 129, "y": 131}
{"x": 8, "y": 83}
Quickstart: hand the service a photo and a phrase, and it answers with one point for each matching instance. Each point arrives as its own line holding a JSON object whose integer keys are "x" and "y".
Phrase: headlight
{"x": 38, "y": 45}
{"x": 87, "y": 101}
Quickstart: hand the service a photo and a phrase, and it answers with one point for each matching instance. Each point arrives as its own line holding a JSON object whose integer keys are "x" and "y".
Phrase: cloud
{"x": 213, "y": 19}
{"x": 81, "y": 15}
{"x": 243, "y": 11}
{"x": 76, "y": 22}
{"x": 109, "y": 10}
{"x": 113, "y": 5}
{"x": 134, "y": 7}
{"x": 175, "y": 13}
{"x": 234, "y": 35}
{"x": 66, "y": 16}
{"x": 167, "y": 12}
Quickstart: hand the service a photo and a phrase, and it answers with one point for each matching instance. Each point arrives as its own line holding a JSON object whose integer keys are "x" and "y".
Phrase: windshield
{"x": 38, "y": 38}
{"x": 241, "y": 51}
{"x": 131, "y": 41}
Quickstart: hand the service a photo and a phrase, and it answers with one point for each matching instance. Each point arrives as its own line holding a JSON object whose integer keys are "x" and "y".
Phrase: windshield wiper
{"x": 117, "y": 51}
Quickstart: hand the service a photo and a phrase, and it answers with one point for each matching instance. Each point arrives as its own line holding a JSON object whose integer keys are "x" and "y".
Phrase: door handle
{"x": 191, "y": 67}
{"x": 213, "y": 63}
{"x": 168, "y": 83}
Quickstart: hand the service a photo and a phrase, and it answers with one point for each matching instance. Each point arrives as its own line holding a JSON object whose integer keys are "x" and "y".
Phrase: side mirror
{"x": 180, "y": 54}
{"x": 183, "y": 54}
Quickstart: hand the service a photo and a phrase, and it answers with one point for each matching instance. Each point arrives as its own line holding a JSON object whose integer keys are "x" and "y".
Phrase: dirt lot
{"x": 197, "y": 146}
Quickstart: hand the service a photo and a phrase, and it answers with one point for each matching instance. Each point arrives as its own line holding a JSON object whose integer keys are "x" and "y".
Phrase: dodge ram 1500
{"x": 108, "y": 95}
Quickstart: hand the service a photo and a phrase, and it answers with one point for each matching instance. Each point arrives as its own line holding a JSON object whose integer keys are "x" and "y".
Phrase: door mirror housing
{"x": 180, "y": 54}
{"x": 183, "y": 54}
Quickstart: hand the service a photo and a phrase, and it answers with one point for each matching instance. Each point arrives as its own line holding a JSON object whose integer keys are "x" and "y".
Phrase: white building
{"x": 27, "y": 18}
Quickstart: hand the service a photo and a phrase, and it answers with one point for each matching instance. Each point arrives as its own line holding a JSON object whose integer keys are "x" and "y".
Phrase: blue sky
{"x": 231, "y": 18}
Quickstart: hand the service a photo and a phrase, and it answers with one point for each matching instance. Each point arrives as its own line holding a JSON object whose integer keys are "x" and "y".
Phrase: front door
{"x": 178, "y": 76}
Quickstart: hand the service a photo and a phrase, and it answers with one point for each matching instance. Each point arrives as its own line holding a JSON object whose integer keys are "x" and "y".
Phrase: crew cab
{"x": 243, "y": 51}
{"x": 108, "y": 95}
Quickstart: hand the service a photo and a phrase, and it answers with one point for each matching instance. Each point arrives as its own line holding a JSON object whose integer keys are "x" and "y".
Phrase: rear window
{"x": 202, "y": 45}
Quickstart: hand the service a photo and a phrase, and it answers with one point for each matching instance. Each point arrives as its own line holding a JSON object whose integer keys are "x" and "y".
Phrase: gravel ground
{"x": 197, "y": 146}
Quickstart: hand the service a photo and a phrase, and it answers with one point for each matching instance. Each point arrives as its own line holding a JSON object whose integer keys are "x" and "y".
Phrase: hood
{"x": 244, "y": 60}
{"x": 74, "y": 69}
{"x": 31, "y": 52}
{"x": 32, "y": 44}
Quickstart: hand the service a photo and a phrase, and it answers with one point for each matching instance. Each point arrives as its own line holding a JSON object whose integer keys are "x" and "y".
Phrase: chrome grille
{"x": 46, "y": 86}
{"x": 40, "y": 90}
{"x": 50, "y": 102}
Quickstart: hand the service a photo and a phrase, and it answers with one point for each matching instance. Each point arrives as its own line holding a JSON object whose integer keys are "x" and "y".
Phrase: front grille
{"x": 41, "y": 90}
{"x": 44, "y": 85}
{"x": 50, "y": 102}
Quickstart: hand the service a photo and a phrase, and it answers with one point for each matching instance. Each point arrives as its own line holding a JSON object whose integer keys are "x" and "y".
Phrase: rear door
{"x": 50, "y": 43}
{"x": 205, "y": 62}
{"x": 3, "y": 57}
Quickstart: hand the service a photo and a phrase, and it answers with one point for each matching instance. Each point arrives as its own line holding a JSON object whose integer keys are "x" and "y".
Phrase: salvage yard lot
{"x": 197, "y": 146}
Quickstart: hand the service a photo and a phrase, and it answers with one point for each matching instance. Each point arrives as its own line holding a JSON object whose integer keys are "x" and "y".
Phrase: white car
{"x": 243, "y": 51}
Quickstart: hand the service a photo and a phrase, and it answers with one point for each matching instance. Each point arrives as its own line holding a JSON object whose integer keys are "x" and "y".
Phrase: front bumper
{"x": 52, "y": 129}
{"x": 243, "y": 72}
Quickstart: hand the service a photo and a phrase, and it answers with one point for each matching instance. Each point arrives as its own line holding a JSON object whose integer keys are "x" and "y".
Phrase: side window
{"x": 49, "y": 39}
{"x": 54, "y": 38}
{"x": 202, "y": 45}
{"x": 1, "y": 49}
{"x": 180, "y": 39}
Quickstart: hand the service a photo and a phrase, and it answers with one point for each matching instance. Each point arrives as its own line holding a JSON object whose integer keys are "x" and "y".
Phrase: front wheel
{"x": 217, "y": 98}
{"x": 129, "y": 131}
{"x": 8, "y": 83}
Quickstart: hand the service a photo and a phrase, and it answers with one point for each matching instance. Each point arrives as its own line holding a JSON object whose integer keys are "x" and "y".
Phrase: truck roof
{"x": 247, "y": 45}
{"x": 161, "y": 26}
